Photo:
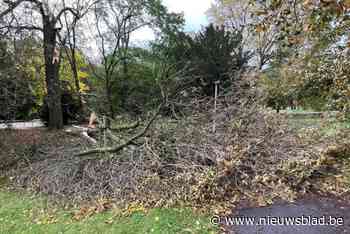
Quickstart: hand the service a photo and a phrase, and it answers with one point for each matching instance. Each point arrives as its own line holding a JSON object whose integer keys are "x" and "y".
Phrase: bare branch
{"x": 12, "y": 6}
{"x": 74, "y": 12}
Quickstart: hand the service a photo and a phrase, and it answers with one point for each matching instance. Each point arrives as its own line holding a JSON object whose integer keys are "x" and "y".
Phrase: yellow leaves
{"x": 264, "y": 201}
{"x": 336, "y": 185}
{"x": 308, "y": 3}
{"x": 110, "y": 220}
{"x": 47, "y": 219}
{"x": 134, "y": 208}
{"x": 84, "y": 212}
{"x": 100, "y": 205}
{"x": 260, "y": 12}
{"x": 346, "y": 4}
{"x": 83, "y": 87}
{"x": 82, "y": 75}
{"x": 222, "y": 208}
{"x": 260, "y": 28}
{"x": 128, "y": 211}
{"x": 293, "y": 40}
{"x": 237, "y": 124}
{"x": 66, "y": 73}
{"x": 42, "y": 216}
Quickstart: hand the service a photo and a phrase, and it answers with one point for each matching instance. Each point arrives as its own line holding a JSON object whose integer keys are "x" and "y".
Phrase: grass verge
{"x": 24, "y": 214}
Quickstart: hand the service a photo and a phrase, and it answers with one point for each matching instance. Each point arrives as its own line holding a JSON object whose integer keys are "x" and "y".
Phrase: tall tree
{"x": 245, "y": 17}
{"x": 215, "y": 54}
{"x": 115, "y": 21}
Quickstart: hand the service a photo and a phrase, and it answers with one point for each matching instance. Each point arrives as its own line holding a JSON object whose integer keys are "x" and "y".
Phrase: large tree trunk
{"x": 52, "y": 75}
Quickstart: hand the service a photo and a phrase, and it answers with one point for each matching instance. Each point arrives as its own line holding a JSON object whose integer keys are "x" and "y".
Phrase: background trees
{"x": 312, "y": 39}
{"x": 246, "y": 17}
{"x": 45, "y": 17}
{"x": 115, "y": 22}
{"x": 299, "y": 47}
{"x": 17, "y": 97}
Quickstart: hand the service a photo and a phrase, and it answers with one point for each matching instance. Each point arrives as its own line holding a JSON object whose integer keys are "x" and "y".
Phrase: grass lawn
{"x": 327, "y": 127}
{"x": 25, "y": 214}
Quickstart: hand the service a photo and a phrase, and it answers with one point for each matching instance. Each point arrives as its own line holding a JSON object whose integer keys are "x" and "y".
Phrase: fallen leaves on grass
{"x": 86, "y": 211}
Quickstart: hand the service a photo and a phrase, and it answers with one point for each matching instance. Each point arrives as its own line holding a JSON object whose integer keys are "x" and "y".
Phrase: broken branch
{"x": 127, "y": 142}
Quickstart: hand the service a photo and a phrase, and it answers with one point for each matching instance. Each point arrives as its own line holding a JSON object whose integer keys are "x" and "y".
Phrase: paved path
{"x": 23, "y": 125}
{"x": 313, "y": 208}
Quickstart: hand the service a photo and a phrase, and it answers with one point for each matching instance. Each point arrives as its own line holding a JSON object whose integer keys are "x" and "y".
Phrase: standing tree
{"x": 43, "y": 16}
{"x": 247, "y": 18}
{"x": 210, "y": 55}
{"x": 115, "y": 21}
{"x": 69, "y": 45}
{"x": 215, "y": 54}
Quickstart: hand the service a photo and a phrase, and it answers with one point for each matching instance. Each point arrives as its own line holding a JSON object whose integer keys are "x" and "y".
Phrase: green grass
{"x": 299, "y": 123}
{"x": 25, "y": 214}
{"x": 327, "y": 127}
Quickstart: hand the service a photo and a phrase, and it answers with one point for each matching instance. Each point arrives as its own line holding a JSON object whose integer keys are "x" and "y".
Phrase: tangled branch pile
{"x": 252, "y": 154}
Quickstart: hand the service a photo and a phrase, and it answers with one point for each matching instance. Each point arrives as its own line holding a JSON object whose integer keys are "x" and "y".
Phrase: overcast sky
{"x": 194, "y": 11}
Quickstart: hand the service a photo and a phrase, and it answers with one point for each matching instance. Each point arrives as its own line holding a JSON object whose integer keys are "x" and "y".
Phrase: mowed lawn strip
{"x": 25, "y": 214}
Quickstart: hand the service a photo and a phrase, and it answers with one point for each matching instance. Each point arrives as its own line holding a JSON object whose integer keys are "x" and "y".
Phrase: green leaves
{"x": 210, "y": 55}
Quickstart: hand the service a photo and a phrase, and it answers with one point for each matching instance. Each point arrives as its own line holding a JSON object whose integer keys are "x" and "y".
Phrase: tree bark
{"x": 52, "y": 75}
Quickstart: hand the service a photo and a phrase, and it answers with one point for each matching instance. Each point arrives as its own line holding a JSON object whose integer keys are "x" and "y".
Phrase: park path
{"x": 36, "y": 123}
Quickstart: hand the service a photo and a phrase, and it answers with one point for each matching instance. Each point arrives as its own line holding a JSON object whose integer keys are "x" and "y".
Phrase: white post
{"x": 215, "y": 103}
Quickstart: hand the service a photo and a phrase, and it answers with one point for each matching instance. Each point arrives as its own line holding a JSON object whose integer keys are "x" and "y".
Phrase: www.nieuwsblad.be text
{"x": 278, "y": 221}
